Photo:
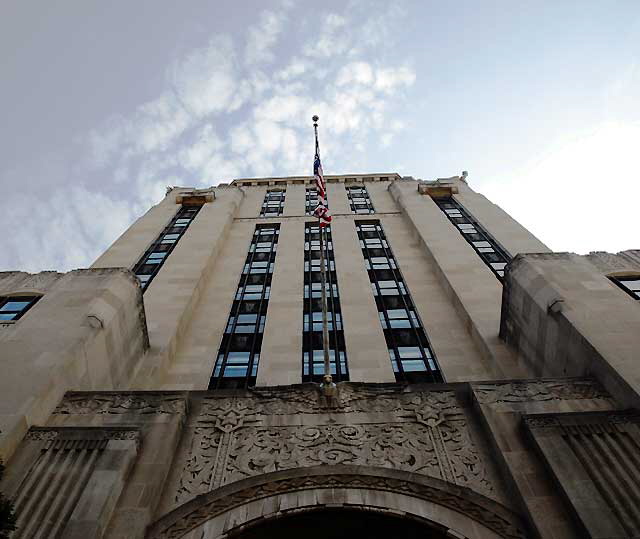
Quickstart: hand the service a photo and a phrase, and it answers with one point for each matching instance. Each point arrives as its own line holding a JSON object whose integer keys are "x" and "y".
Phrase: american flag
{"x": 321, "y": 211}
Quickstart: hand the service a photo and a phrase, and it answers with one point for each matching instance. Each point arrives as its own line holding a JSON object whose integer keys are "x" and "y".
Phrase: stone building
{"x": 486, "y": 386}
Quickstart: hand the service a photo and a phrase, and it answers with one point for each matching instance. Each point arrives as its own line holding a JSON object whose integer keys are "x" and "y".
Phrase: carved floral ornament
{"x": 422, "y": 432}
{"x": 121, "y": 403}
{"x": 204, "y": 508}
{"x": 547, "y": 390}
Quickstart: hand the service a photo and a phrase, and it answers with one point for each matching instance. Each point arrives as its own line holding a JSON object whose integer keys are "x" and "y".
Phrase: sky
{"x": 105, "y": 104}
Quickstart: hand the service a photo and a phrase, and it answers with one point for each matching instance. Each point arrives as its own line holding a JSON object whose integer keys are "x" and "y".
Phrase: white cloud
{"x": 389, "y": 79}
{"x": 355, "y": 72}
{"x": 206, "y": 143}
{"x": 206, "y": 80}
{"x": 263, "y": 36}
{"x": 225, "y": 111}
{"x": 295, "y": 68}
{"x": 331, "y": 40}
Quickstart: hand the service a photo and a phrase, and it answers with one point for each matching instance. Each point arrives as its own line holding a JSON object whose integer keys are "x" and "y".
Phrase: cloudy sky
{"x": 104, "y": 104}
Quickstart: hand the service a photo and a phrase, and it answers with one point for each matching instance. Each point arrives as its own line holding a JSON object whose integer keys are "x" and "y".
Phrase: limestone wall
{"x": 128, "y": 465}
{"x": 88, "y": 331}
{"x": 564, "y": 317}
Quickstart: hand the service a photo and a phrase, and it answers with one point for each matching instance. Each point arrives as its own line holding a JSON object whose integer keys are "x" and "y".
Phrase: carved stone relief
{"x": 416, "y": 431}
{"x": 11, "y": 281}
{"x": 490, "y": 514}
{"x": 602, "y": 446}
{"x": 524, "y": 391}
{"x": 121, "y": 403}
{"x": 608, "y": 261}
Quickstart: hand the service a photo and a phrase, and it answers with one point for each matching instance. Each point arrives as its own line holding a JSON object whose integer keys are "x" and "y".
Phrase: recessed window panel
{"x": 14, "y": 307}
{"x": 239, "y": 354}
{"x": 492, "y": 254}
{"x": 409, "y": 349}
{"x": 149, "y": 265}
{"x": 359, "y": 200}
{"x": 631, "y": 285}
{"x": 273, "y": 204}
{"x": 312, "y": 354}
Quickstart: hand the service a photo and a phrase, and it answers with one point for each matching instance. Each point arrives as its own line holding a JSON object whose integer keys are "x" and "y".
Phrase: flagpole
{"x": 327, "y": 379}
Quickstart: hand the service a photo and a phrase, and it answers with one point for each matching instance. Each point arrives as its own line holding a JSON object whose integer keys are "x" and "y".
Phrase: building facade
{"x": 486, "y": 386}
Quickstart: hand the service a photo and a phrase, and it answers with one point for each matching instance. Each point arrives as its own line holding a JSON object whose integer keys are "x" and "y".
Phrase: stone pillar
{"x": 281, "y": 355}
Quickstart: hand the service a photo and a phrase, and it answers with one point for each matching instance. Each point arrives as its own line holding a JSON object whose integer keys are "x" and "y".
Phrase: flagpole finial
{"x": 315, "y": 120}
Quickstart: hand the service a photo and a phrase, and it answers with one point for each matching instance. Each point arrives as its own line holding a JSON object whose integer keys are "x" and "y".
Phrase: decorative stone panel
{"x": 233, "y": 438}
{"x": 119, "y": 402}
{"x": 540, "y": 390}
{"x": 65, "y": 481}
{"x": 277, "y": 493}
{"x": 595, "y": 459}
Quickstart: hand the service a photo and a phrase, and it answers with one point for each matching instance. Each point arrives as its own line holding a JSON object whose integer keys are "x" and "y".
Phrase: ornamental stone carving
{"x": 547, "y": 390}
{"x": 424, "y": 432}
{"x": 121, "y": 403}
{"x": 608, "y": 261}
{"x": 196, "y": 512}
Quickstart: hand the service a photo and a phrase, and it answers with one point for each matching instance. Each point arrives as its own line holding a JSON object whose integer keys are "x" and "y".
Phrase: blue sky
{"x": 104, "y": 104}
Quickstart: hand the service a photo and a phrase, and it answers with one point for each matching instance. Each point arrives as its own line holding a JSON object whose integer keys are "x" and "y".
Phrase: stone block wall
{"x": 188, "y": 456}
{"x": 564, "y": 317}
{"x": 88, "y": 331}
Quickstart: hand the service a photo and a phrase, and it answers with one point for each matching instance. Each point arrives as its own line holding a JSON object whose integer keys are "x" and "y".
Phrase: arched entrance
{"x": 342, "y": 523}
{"x": 293, "y": 496}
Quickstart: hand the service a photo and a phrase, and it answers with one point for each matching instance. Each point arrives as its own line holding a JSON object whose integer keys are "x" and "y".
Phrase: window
{"x": 487, "y": 248}
{"x": 312, "y": 350}
{"x": 359, "y": 199}
{"x": 239, "y": 354}
{"x": 630, "y": 284}
{"x": 149, "y": 265}
{"x": 273, "y": 204}
{"x": 311, "y": 200}
{"x": 14, "y": 307}
{"x": 409, "y": 349}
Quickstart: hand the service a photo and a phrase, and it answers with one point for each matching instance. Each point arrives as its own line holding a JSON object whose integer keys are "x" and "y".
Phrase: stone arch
{"x": 465, "y": 512}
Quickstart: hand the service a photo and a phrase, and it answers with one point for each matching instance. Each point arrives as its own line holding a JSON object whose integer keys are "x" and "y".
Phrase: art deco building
{"x": 486, "y": 386}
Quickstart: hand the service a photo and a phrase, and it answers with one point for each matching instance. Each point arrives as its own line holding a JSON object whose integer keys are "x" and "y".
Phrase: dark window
{"x": 630, "y": 284}
{"x": 14, "y": 307}
{"x": 149, "y": 265}
{"x": 312, "y": 350}
{"x": 411, "y": 356}
{"x": 239, "y": 354}
{"x": 273, "y": 204}
{"x": 359, "y": 199}
{"x": 311, "y": 200}
{"x": 487, "y": 248}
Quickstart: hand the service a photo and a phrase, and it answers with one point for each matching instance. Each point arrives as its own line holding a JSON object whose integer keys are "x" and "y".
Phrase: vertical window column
{"x": 487, "y": 248}
{"x": 311, "y": 200}
{"x": 239, "y": 354}
{"x": 149, "y": 265}
{"x": 411, "y": 356}
{"x": 312, "y": 349}
{"x": 359, "y": 199}
{"x": 273, "y": 204}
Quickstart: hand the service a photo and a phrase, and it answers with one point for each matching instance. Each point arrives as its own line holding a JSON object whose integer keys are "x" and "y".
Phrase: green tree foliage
{"x": 7, "y": 518}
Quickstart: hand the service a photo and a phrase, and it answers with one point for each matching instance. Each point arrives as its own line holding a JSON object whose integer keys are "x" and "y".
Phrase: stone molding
{"x": 593, "y": 458}
{"x": 199, "y": 510}
{"x": 17, "y": 281}
{"x": 555, "y": 389}
{"x": 62, "y": 435}
{"x": 420, "y": 431}
{"x": 606, "y": 262}
{"x": 68, "y": 473}
{"x": 134, "y": 402}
